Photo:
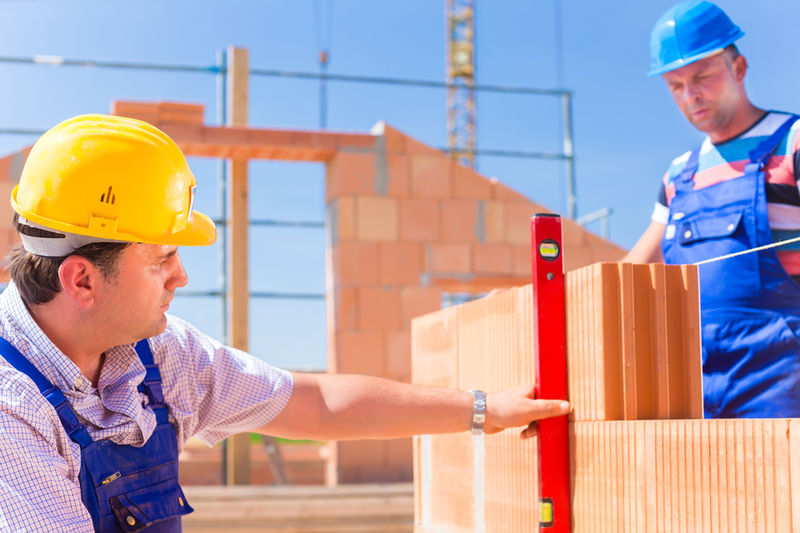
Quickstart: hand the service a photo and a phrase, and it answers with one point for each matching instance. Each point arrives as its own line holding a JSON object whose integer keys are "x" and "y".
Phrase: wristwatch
{"x": 478, "y": 411}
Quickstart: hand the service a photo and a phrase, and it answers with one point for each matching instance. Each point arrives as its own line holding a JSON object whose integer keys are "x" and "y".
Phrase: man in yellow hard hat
{"x": 99, "y": 388}
{"x": 727, "y": 202}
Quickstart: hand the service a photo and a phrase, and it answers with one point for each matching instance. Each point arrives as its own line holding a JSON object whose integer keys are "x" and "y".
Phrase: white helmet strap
{"x": 40, "y": 240}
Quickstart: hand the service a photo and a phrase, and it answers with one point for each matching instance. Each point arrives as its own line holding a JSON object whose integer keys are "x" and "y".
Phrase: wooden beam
{"x": 237, "y": 452}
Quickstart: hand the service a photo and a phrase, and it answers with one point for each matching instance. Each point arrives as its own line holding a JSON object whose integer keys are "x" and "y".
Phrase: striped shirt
{"x": 724, "y": 161}
{"x": 212, "y": 391}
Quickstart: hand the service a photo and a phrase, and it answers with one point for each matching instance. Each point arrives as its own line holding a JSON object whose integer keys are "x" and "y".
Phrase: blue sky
{"x": 626, "y": 127}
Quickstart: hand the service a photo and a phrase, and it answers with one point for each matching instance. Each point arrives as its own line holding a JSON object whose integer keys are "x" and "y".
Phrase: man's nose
{"x": 179, "y": 277}
{"x": 692, "y": 93}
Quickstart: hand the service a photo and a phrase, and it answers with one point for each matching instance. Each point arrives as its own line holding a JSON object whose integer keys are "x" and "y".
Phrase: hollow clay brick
{"x": 350, "y": 173}
{"x": 448, "y": 258}
{"x": 493, "y": 259}
{"x": 377, "y": 218}
{"x": 378, "y": 308}
{"x": 517, "y": 222}
{"x": 400, "y": 263}
{"x": 420, "y": 220}
{"x": 346, "y": 309}
{"x": 430, "y": 176}
{"x": 398, "y": 355}
{"x": 399, "y": 175}
{"x": 434, "y": 348}
{"x": 459, "y": 218}
{"x": 343, "y": 208}
{"x": 504, "y": 193}
{"x": 418, "y": 301}
{"x": 469, "y": 184}
{"x": 355, "y": 262}
{"x": 361, "y": 352}
{"x": 495, "y": 224}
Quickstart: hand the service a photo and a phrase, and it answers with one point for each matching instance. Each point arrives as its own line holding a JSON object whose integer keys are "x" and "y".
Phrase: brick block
{"x": 469, "y": 184}
{"x": 355, "y": 262}
{"x": 377, "y": 218}
{"x": 398, "y": 355}
{"x": 417, "y": 301}
{"x": 395, "y": 139}
{"x": 415, "y": 147}
{"x": 350, "y": 173}
{"x": 434, "y": 348}
{"x": 227, "y": 136}
{"x": 180, "y": 113}
{"x": 146, "y": 111}
{"x": 378, "y": 308}
{"x": 518, "y": 222}
{"x": 399, "y": 263}
{"x": 495, "y": 222}
{"x": 459, "y": 221}
{"x": 342, "y": 212}
{"x": 361, "y": 352}
{"x": 185, "y": 133}
{"x": 430, "y": 176}
{"x": 507, "y": 194}
{"x": 346, "y": 314}
{"x": 522, "y": 260}
{"x": 448, "y": 258}
{"x": 493, "y": 259}
{"x": 420, "y": 220}
{"x": 399, "y": 173}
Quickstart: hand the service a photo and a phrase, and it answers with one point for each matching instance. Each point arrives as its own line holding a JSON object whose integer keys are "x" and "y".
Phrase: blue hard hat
{"x": 688, "y": 32}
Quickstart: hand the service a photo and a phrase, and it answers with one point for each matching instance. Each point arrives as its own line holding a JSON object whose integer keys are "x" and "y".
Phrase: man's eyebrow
{"x": 163, "y": 258}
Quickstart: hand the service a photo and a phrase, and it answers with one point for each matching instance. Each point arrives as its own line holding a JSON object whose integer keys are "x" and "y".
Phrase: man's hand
{"x": 517, "y": 407}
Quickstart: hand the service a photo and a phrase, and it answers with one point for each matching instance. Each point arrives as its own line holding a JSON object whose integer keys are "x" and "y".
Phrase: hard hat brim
{"x": 682, "y": 62}
{"x": 198, "y": 231}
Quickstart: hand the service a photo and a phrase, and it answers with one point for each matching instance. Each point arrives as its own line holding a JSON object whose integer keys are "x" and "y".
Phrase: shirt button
{"x": 180, "y": 501}
{"x": 687, "y": 234}
{"x": 730, "y": 227}
{"x": 130, "y": 520}
{"x": 78, "y": 383}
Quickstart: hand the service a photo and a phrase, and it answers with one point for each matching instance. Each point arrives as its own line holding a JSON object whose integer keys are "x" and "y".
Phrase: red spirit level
{"x": 549, "y": 327}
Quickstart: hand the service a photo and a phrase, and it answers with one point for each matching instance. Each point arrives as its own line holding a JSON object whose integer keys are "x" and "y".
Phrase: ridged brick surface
{"x": 664, "y": 474}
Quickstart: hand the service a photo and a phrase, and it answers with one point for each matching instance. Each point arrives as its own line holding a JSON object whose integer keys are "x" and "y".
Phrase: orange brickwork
{"x": 406, "y": 225}
{"x": 624, "y": 322}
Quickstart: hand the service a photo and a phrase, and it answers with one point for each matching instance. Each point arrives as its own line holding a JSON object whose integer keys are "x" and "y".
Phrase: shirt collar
{"x": 121, "y": 361}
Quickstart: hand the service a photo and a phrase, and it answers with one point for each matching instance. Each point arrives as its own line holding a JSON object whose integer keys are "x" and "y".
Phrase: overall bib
{"x": 125, "y": 488}
{"x": 750, "y": 306}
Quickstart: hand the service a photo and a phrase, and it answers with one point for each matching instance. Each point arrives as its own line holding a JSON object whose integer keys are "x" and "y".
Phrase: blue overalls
{"x": 125, "y": 488}
{"x": 750, "y": 306}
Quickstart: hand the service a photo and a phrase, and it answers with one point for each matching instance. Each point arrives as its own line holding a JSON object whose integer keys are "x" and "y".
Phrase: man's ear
{"x": 739, "y": 68}
{"x": 79, "y": 279}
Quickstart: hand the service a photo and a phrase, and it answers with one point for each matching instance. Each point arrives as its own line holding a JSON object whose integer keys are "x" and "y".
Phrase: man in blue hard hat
{"x": 735, "y": 192}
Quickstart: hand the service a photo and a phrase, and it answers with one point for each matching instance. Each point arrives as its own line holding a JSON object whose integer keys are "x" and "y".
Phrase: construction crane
{"x": 461, "y": 80}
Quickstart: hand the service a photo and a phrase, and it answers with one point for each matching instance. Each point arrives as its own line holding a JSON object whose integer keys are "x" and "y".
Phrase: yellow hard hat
{"x": 112, "y": 178}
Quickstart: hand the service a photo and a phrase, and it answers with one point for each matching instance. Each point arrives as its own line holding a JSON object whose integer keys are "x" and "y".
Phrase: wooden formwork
{"x": 642, "y": 458}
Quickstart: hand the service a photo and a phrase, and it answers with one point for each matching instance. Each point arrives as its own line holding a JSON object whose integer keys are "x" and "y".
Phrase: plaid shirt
{"x": 212, "y": 391}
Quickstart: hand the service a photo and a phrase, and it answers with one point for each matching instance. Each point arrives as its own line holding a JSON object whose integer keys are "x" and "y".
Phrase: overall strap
{"x": 151, "y": 386}
{"x": 52, "y": 394}
{"x": 683, "y": 181}
{"x": 761, "y": 154}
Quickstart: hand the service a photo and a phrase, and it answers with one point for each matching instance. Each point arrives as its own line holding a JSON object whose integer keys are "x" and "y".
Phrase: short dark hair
{"x": 732, "y": 51}
{"x": 36, "y": 276}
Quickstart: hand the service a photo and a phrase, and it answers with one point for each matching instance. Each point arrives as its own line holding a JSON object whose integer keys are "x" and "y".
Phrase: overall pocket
{"x": 139, "y": 509}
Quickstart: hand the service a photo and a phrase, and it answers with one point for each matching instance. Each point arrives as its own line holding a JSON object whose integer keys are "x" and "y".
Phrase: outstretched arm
{"x": 347, "y": 406}
{"x": 648, "y": 248}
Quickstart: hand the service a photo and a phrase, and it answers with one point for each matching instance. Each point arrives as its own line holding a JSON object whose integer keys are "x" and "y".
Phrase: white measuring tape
{"x": 751, "y": 250}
